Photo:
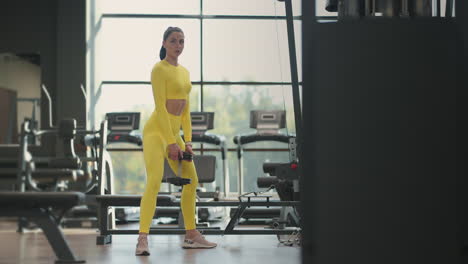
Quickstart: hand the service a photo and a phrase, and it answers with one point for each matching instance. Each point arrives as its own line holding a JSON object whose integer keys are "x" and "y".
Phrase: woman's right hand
{"x": 175, "y": 152}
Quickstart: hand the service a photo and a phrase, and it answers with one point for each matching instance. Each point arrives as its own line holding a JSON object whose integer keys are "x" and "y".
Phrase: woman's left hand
{"x": 188, "y": 148}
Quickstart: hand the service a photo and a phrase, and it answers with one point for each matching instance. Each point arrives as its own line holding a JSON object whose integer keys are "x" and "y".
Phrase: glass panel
{"x": 232, "y": 106}
{"x": 115, "y": 98}
{"x": 249, "y": 7}
{"x": 129, "y": 172}
{"x": 129, "y": 48}
{"x": 248, "y": 50}
{"x": 151, "y": 6}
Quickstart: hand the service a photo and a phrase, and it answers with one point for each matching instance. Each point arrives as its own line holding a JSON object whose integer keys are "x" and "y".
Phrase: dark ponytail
{"x": 167, "y": 33}
{"x": 162, "y": 53}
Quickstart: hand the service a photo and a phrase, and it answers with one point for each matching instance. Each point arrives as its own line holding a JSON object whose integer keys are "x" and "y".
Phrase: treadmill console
{"x": 120, "y": 126}
{"x": 268, "y": 121}
{"x": 202, "y": 122}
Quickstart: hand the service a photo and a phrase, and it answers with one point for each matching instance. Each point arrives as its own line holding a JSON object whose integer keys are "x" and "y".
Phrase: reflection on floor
{"x": 32, "y": 247}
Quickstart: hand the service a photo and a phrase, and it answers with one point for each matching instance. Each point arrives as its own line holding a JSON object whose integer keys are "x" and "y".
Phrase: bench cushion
{"x": 21, "y": 200}
{"x": 9, "y": 151}
{"x": 133, "y": 200}
{"x": 9, "y": 175}
{"x": 46, "y": 175}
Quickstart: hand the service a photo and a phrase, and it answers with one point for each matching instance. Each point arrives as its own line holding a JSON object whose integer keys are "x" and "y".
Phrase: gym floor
{"x": 32, "y": 247}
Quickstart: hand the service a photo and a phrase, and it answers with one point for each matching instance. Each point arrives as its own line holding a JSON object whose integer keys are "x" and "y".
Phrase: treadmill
{"x": 122, "y": 127}
{"x": 267, "y": 124}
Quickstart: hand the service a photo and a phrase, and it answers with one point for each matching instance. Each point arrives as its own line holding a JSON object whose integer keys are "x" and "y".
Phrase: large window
{"x": 247, "y": 50}
{"x": 232, "y": 105}
{"x": 134, "y": 98}
{"x": 130, "y": 47}
{"x": 237, "y": 53}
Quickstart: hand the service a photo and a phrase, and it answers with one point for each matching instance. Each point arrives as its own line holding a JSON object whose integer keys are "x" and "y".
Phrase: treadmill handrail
{"x": 208, "y": 138}
{"x": 212, "y": 139}
{"x": 251, "y": 138}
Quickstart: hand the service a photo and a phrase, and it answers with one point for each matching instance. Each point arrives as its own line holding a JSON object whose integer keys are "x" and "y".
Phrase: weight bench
{"x": 105, "y": 201}
{"x": 35, "y": 206}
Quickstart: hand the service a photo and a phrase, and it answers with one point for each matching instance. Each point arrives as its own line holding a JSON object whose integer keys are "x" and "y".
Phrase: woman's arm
{"x": 158, "y": 82}
{"x": 187, "y": 122}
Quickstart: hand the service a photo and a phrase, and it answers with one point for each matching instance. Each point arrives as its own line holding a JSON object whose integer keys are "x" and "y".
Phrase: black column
{"x": 462, "y": 120}
{"x": 380, "y": 107}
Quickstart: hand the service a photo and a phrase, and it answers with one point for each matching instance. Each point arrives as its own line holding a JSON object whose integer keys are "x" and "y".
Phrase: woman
{"x": 161, "y": 140}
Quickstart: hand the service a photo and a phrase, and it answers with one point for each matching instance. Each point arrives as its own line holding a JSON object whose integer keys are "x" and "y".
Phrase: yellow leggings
{"x": 155, "y": 151}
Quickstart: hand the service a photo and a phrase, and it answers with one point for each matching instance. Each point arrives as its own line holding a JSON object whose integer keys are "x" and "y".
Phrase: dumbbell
{"x": 179, "y": 181}
{"x": 186, "y": 156}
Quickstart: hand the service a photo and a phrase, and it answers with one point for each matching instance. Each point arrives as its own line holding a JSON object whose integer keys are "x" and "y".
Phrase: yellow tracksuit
{"x": 162, "y": 129}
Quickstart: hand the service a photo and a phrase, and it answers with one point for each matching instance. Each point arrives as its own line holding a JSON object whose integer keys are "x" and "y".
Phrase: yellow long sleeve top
{"x": 171, "y": 82}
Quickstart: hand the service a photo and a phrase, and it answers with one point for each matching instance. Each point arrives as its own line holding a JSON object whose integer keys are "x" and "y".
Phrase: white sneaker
{"x": 198, "y": 242}
{"x": 142, "y": 247}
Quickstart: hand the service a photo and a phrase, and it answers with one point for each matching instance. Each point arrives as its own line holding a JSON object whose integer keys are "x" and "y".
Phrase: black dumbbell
{"x": 178, "y": 181}
{"x": 186, "y": 156}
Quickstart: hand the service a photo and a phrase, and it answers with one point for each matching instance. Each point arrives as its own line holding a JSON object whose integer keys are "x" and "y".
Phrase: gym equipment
{"x": 35, "y": 207}
{"x": 95, "y": 161}
{"x": 28, "y": 167}
{"x": 121, "y": 125}
{"x": 178, "y": 180}
{"x": 42, "y": 207}
{"x": 268, "y": 125}
{"x": 24, "y": 167}
{"x": 356, "y": 9}
{"x": 106, "y": 201}
{"x": 102, "y": 181}
{"x": 18, "y": 165}
{"x": 168, "y": 204}
{"x": 284, "y": 178}
{"x": 296, "y": 144}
